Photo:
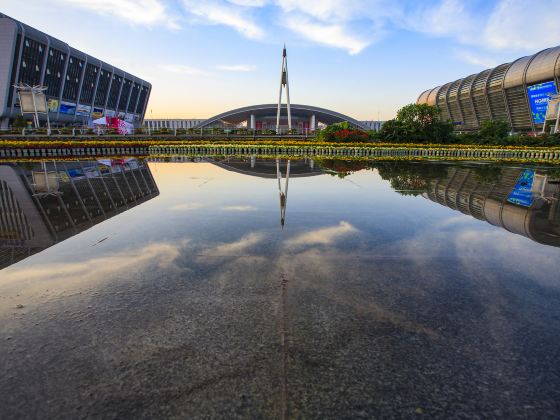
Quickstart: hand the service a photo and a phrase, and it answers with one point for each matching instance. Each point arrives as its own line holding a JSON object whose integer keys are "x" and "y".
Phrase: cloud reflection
{"x": 323, "y": 236}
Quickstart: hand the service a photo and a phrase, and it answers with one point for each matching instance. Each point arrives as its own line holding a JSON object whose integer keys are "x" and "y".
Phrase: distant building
{"x": 170, "y": 123}
{"x": 373, "y": 125}
{"x": 79, "y": 86}
{"x": 516, "y": 92}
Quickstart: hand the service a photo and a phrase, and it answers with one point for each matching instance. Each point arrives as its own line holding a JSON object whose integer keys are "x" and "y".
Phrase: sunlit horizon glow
{"x": 362, "y": 58}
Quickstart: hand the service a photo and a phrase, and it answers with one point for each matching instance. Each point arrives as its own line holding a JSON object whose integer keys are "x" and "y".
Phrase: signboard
{"x": 110, "y": 113}
{"x": 67, "y": 108}
{"x": 121, "y": 115}
{"x": 91, "y": 172}
{"x": 129, "y": 117}
{"x": 552, "y": 110}
{"x": 28, "y": 105}
{"x": 522, "y": 194}
{"x": 52, "y": 105}
{"x": 83, "y": 110}
{"x": 97, "y": 113}
{"x": 539, "y": 96}
{"x": 76, "y": 173}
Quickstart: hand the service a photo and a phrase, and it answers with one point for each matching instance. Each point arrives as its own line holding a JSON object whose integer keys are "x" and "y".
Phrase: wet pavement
{"x": 392, "y": 289}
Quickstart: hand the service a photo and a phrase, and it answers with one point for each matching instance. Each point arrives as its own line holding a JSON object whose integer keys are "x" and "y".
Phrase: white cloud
{"x": 522, "y": 24}
{"x": 237, "y": 68}
{"x": 182, "y": 69}
{"x": 476, "y": 59}
{"x": 333, "y": 35}
{"x": 142, "y": 12}
{"x": 323, "y": 236}
{"x": 239, "y": 208}
{"x": 509, "y": 26}
{"x": 219, "y": 13}
{"x": 249, "y": 3}
{"x": 186, "y": 206}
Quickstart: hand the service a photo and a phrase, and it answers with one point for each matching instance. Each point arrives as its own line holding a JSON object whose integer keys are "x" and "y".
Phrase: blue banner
{"x": 538, "y": 98}
{"x": 522, "y": 194}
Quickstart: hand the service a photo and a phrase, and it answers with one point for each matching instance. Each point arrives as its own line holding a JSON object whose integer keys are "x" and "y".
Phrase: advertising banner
{"x": 76, "y": 173}
{"x": 110, "y": 113}
{"x": 91, "y": 172}
{"x": 52, "y": 105}
{"x": 522, "y": 194}
{"x": 67, "y": 108}
{"x": 539, "y": 96}
{"x": 97, "y": 113}
{"x": 83, "y": 110}
{"x": 129, "y": 118}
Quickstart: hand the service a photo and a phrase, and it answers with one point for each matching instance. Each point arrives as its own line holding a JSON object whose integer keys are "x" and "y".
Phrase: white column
{"x": 312, "y": 123}
{"x": 252, "y": 122}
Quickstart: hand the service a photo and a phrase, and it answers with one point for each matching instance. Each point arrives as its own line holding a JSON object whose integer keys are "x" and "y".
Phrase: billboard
{"x": 553, "y": 109}
{"x": 52, "y": 105}
{"x": 67, "y": 108}
{"x": 110, "y": 113}
{"x": 32, "y": 102}
{"x": 522, "y": 194}
{"x": 97, "y": 113}
{"x": 539, "y": 95}
{"x": 83, "y": 110}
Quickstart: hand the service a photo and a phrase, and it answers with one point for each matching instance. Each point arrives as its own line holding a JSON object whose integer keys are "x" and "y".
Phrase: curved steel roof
{"x": 237, "y": 116}
{"x": 536, "y": 68}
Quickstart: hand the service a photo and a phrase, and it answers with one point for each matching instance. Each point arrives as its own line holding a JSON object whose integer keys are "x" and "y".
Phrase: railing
{"x": 143, "y": 132}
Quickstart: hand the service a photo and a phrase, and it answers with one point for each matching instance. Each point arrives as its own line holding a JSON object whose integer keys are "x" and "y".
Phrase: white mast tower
{"x": 284, "y": 83}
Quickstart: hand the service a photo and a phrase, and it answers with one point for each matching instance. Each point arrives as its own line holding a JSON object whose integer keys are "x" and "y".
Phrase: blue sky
{"x": 361, "y": 58}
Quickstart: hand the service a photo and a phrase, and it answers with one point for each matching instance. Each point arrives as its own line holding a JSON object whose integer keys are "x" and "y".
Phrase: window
{"x": 32, "y": 59}
{"x": 73, "y": 74}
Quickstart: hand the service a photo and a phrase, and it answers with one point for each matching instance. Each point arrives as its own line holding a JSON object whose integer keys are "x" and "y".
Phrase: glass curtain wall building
{"x": 516, "y": 92}
{"x": 79, "y": 87}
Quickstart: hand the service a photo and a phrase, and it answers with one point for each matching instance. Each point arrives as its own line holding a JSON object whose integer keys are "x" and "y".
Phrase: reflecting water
{"x": 254, "y": 288}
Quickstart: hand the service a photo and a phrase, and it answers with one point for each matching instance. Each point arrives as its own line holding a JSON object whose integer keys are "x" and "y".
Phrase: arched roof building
{"x": 264, "y": 116}
{"x": 512, "y": 92}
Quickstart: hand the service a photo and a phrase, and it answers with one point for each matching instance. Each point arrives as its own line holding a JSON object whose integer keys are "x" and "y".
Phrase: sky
{"x": 364, "y": 59}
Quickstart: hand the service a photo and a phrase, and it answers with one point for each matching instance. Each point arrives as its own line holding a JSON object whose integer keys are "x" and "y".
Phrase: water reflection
{"x": 521, "y": 200}
{"x": 264, "y": 168}
{"x": 45, "y": 203}
{"x": 368, "y": 303}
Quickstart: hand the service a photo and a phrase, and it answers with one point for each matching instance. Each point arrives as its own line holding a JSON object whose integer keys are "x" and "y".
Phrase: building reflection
{"x": 522, "y": 201}
{"x": 47, "y": 202}
{"x": 281, "y": 169}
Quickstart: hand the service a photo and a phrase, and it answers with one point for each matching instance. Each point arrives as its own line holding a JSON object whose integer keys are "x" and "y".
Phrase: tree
{"x": 494, "y": 129}
{"x": 417, "y": 123}
{"x": 19, "y": 122}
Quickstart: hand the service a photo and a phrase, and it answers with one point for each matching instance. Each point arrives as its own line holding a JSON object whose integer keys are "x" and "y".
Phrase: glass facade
{"x": 102, "y": 87}
{"x": 88, "y": 86}
{"x": 72, "y": 83}
{"x": 133, "y": 98}
{"x": 114, "y": 92}
{"x": 31, "y": 63}
{"x": 127, "y": 86}
{"x": 54, "y": 72}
